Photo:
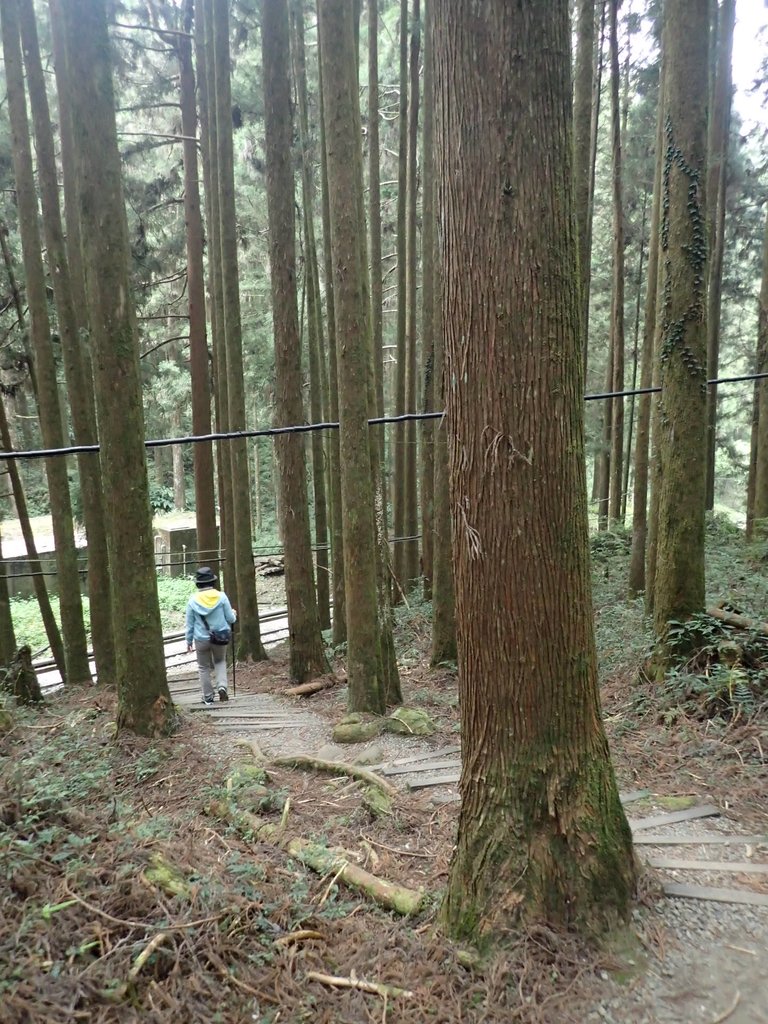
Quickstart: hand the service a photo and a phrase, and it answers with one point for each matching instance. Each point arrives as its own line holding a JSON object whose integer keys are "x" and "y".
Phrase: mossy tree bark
{"x": 411, "y": 498}
{"x": 542, "y": 834}
{"x": 760, "y": 504}
{"x": 70, "y": 601}
{"x": 337, "y": 533}
{"x": 318, "y": 371}
{"x": 717, "y": 176}
{"x": 205, "y": 500}
{"x": 249, "y": 643}
{"x": 305, "y": 640}
{"x": 344, "y": 163}
{"x": 76, "y": 367}
{"x": 640, "y": 490}
{"x": 583, "y": 86}
{"x": 681, "y": 357}
{"x": 144, "y": 702}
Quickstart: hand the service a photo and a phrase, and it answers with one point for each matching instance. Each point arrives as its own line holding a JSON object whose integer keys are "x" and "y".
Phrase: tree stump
{"x": 20, "y": 679}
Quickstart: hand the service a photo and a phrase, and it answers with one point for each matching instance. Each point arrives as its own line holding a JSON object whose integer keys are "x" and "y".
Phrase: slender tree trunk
{"x": 319, "y": 400}
{"x": 428, "y": 233}
{"x": 617, "y": 295}
{"x": 584, "y": 82}
{"x": 760, "y": 503}
{"x": 681, "y": 445}
{"x": 717, "y": 176}
{"x": 306, "y": 642}
{"x": 77, "y": 367}
{"x": 205, "y": 501}
{"x": 339, "y": 634}
{"x": 635, "y": 359}
{"x": 411, "y": 516}
{"x": 7, "y": 634}
{"x": 16, "y": 297}
{"x": 144, "y": 702}
{"x": 542, "y": 835}
{"x": 207, "y": 93}
{"x": 38, "y": 580}
{"x": 594, "y": 131}
{"x": 70, "y": 601}
{"x": 398, "y": 433}
{"x": 338, "y": 57}
{"x": 249, "y": 636}
{"x": 177, "y": 455}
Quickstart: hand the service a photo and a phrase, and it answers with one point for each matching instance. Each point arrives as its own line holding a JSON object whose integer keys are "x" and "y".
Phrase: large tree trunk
{"x": 584, "y": 80}
{"x": 144, "y": 702}
{"x": 681, "y": 359}
{"x": 617, "y": 291}
{"x": 71, "y": 304}
{"x": 249, "y": 643}
{"x": 70, "y": 600}
{"x": 199, "y": 368}
{"x": 760, "y": 504}
{"x": 640, "y": 490}
{"x": 411, "y": 515}
{"x": 542, "y": 834}
{"x": 717, "y": 176}
{"x": 635, "y": 358}
{"x": 398, "y": 433}
{"x": 318, "y": 374}
{"x": 306, "y": 642}
{"x": 337, "y": 535}
{"x": 338, "y": 69}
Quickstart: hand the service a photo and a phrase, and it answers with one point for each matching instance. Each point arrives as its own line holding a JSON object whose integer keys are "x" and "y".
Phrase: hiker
{"x": 210, "y": 617}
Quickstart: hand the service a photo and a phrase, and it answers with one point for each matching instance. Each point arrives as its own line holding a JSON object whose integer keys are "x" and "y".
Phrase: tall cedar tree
{"x": 205, "y": 500}
{"x": 617, "y": 291}
{"x": 680, "y": 441}
{"x": 306, "y": 642}
{"x": 398, "y": 437}
{"x": 51, "y": 425}
{"x": 717, "y": 176}
{"x": 77, "y": 369}
{"x": 144, "y": 702}
{"x": 318, "y": 370}
{"x": 760, "y": 444}
{"x": 642, "y": 440}
{"x": 428, "y": 232}
{"x": 337, "y": 533}
{"x": 249, "y": 643}
{"x": 583, "y": 86}
{"x": 542, "y": 834}
{"x": 344, "y": 160}
{"x": 411, "y": 515}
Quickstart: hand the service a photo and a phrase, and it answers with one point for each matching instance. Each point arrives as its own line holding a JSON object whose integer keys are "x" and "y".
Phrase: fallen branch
{"x": 319, "y": 858}
{"x": 300, "y": 936}
{"x": 336, "y": 768}
{"x": 729, "y": 1011}
{"x": 313, "y": 686}
{"x": 145, "y": 954}
{"x": 374, "y": 987}
{"x": 738, "y": 621}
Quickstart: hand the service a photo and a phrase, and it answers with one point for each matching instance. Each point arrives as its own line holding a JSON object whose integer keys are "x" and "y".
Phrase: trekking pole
{"x": 234, "y": 686}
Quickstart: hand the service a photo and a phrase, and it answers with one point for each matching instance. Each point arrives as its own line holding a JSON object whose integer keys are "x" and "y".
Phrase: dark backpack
{"x": 218, "y": 637}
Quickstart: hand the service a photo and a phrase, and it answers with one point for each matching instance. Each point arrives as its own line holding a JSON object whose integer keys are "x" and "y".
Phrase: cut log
{"x": 326, "y": 862}
{"x": 313, "y": 686}
{"x": 19, "y": 678}
{"x": 738, "y": 621}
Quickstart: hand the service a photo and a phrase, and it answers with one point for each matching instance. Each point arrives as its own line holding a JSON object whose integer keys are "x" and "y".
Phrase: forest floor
{"x": 127, "y": 895}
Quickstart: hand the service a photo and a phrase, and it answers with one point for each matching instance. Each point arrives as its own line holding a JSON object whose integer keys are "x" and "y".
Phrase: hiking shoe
{"x": 208, "y": 700}
{"x": 223, "y": 695}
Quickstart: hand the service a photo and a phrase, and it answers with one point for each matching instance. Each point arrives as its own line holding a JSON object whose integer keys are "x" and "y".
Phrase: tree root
{"x": 319, "y": 858}
{"x": 374, "y": 987}
{"x": 336, "y": 768}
